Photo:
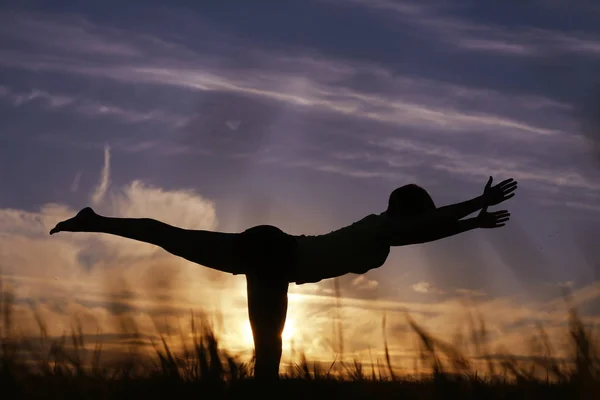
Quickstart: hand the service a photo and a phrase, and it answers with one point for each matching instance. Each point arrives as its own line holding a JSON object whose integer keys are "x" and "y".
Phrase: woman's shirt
{"x": 356, "y": 249}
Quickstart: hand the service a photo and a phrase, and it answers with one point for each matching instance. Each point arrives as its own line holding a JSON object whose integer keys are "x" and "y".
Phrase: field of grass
{"x": 45, "y": 367}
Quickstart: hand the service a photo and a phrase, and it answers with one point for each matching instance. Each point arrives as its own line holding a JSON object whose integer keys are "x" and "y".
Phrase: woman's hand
{"x": 493, "y": 195}
{"x": 494, "y": 219}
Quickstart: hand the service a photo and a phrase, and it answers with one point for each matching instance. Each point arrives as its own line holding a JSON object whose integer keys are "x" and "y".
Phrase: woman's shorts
{"x": 266, "y": 252}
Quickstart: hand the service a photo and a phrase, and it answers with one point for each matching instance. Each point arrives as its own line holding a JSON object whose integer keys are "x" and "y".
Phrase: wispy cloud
{"x": 444, "y": 127}
{"x": 400, "y": 104}
{"x": 73, "y": 35}
{"x": 426, "y": 287}
{"x": 441, "y": 20}
{"x": 91, "y": 108}
{"x": 20, "y": 98}
{"x": 128, "y": 115}
{"x": 75, "y": 183}
{"x": 361, "y": 282}
{"x": 102, "y": 187}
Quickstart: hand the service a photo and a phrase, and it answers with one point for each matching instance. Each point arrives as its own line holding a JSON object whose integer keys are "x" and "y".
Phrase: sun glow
{"x": 289, "y": 331}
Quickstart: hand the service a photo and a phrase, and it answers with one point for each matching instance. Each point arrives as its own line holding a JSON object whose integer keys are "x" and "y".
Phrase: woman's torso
{"x": 352, "y": 249}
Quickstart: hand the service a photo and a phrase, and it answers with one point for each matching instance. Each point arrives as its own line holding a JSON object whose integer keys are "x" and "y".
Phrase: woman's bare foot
{"x": 78, "y": 223}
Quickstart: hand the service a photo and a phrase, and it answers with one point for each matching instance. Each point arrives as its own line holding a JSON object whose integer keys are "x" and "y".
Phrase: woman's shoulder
{"x": 367, "y": 223}
{"x": 375, "y": 218}
{"x": 373, "y": 221}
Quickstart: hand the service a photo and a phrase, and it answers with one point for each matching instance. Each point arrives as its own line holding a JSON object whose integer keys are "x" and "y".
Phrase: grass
{"x": 69, "y": 367}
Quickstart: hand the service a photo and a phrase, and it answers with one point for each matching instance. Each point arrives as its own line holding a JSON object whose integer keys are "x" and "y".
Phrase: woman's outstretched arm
{"x": 211, "y": 249}
{"x": 457, "y": 211}
{"x": 483, "y": 220}
{"x": 491, "y": 196}
{"x": 429, "y": 235}
{"x": 441, "y": 219}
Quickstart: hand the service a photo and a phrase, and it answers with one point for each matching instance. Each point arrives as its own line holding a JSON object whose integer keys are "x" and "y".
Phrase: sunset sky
{"x": 305, "y": 115}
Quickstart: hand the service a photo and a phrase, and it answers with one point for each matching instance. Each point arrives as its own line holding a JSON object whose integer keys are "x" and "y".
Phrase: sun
{"x": 247, "y": 334}
{"x": 289, "y": 331}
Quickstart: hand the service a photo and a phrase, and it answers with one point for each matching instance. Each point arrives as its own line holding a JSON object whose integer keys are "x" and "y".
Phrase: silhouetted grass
{"x": 69, "y": 367}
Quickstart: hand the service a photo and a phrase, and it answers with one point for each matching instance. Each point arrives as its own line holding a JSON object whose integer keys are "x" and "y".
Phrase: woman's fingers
{"x": 506, "y": 197}
{"x": 499, "y": 218}
{"x": 506, "y": 182}
{"x": 510, "y": 191}
{"x": 507, "y": 186}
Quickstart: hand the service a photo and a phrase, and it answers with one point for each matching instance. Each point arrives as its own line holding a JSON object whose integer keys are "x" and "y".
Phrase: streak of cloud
{"x": 200, "y": 74}
{"x": 438, "y": 19}
{"x": 102, "y": 187}
{"x": 75, "y": 183}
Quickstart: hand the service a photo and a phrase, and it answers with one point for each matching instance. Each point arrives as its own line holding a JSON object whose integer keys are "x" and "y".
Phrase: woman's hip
{"x": 266, "y": 252}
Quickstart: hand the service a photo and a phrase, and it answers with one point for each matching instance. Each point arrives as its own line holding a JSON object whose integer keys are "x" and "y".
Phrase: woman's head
{"x": 410, "y": 200}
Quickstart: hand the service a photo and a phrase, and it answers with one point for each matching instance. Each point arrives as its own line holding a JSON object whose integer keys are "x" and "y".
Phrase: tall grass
{"x": 69, "y": 366}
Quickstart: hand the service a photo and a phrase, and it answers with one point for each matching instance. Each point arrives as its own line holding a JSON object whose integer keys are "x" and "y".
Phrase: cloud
{"x": 63, "y": 34}
{"x": 53, "y": 101}
{"x": 394, "y": 127}
{"x": 297, "y": 79}
{"x": 495, "y": 46}
{"x": 128, "y": 115}
{"x": 561, "y": 285}
{"x": 455, "y": 161}
{"x": 233, "y": 125}
{"x": 397, "y": 111}
{"x": 447, "y": 27}
{"x": 75, "y": 183}
{"x": 102, "y": 186}
{"x": 97, "y": 276}
{"x": 91, "y": 108}
{"x": 426, "y": 287}
{"x": 361, "y": 282}
{"x": 21, "y": 98}
{"x": 300, "y": 80}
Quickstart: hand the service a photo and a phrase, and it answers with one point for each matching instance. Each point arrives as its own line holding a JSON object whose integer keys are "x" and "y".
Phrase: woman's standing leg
{"x": 267, "y": 309}
{"x": 269, "y": 254}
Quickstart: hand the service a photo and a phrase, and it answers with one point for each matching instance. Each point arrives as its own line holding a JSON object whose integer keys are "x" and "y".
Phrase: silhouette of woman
{"x": 271, "y": 258}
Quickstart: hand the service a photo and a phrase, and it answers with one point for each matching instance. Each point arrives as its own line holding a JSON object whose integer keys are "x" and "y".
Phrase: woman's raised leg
{"x": 215, "y": 250}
